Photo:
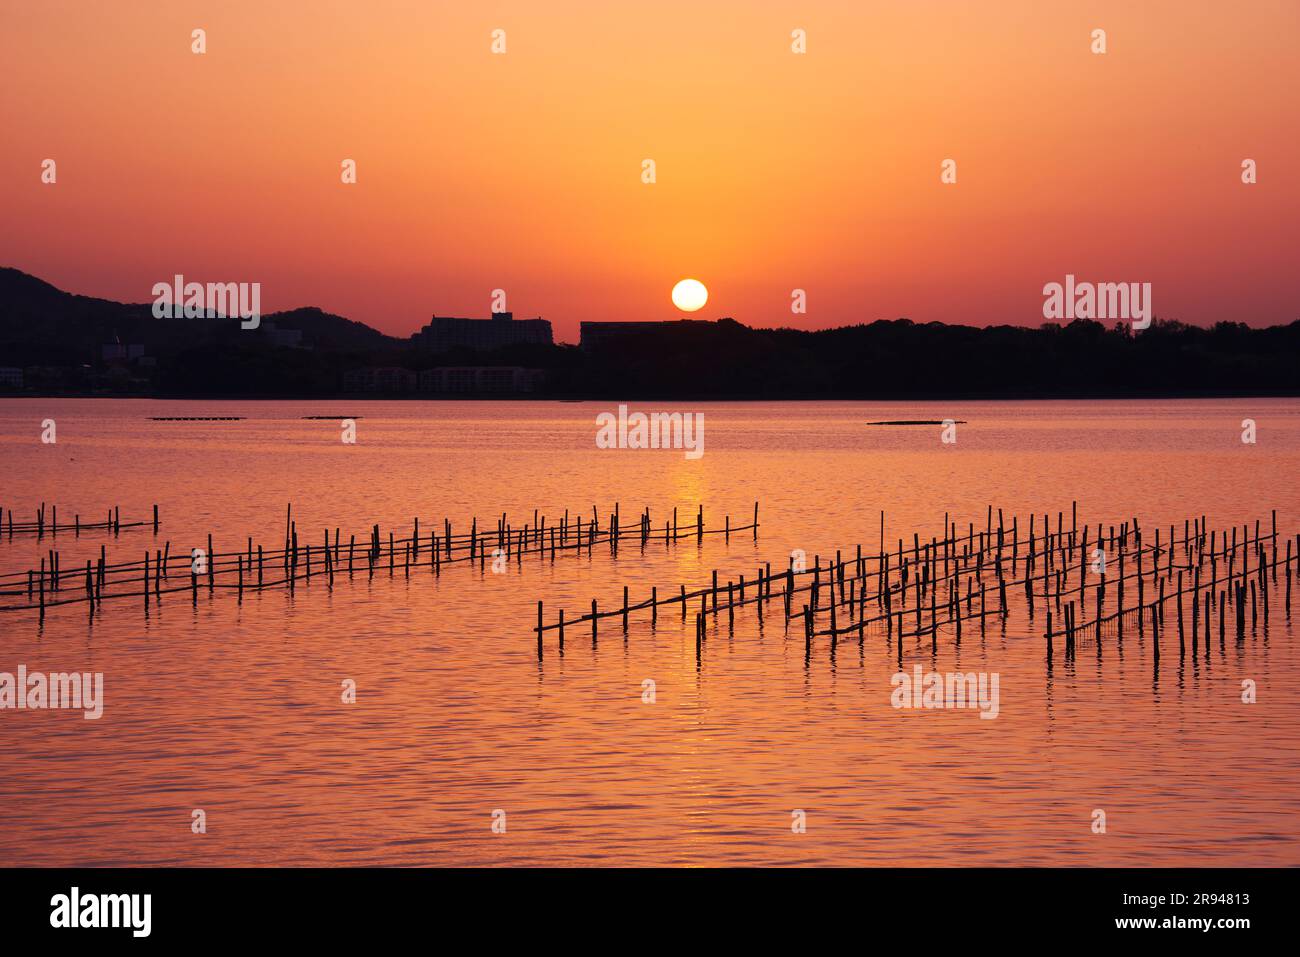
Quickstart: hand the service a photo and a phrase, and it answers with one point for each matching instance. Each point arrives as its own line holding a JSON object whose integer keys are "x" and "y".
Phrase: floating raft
{"x": 918, "y": 422}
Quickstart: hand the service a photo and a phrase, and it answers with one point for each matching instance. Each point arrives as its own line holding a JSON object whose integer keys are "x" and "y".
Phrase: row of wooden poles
{"x": 910, "y": 592}
{"x": 1199, "y": 580}
{"x": 256, "y": 567}
{"x": 44, "y": 525}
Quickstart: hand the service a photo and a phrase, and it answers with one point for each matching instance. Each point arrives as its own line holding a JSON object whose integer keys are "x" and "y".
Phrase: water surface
{"x": 235, "y": 708}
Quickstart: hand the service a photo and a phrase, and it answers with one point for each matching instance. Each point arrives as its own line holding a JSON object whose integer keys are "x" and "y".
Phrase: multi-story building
{"x": 379, "y": 379}
{"x": 480, "y": 379}
{"x": 121, "y": 352}
{"x": 287, "y": 338}
{"x": 446, "y": 332}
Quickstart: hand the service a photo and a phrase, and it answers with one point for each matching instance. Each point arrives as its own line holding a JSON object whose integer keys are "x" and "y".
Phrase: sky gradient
{"x": 775, "y": 171}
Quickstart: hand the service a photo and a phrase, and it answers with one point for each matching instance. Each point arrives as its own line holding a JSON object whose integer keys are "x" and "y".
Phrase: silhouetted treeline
{"x": 901, "y": 358}
{"x": 57, "y": 339}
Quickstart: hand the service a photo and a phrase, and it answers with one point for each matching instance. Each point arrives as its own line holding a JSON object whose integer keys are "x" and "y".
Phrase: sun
{"x": 690, "y": 295}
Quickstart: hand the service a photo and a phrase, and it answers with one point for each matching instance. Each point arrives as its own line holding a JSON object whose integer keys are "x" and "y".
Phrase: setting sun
{"x": 690, "y": 295}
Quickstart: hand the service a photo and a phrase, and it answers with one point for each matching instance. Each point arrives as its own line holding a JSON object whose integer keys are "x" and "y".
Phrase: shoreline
{"x": 657, "y": 397}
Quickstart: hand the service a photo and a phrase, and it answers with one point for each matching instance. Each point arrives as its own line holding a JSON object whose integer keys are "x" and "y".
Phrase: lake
{"x": 235, "y": 708}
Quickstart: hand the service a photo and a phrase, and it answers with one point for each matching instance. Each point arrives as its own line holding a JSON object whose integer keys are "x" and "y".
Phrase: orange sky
{"x": 775, "y": 171}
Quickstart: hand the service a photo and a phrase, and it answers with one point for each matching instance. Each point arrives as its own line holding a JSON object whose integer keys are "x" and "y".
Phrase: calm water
{"x": 236, "y": 709}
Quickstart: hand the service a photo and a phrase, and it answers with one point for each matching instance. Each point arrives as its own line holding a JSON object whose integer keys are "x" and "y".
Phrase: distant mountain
{"x": 41, "y": 324}
{"x": 324, "y": 330}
